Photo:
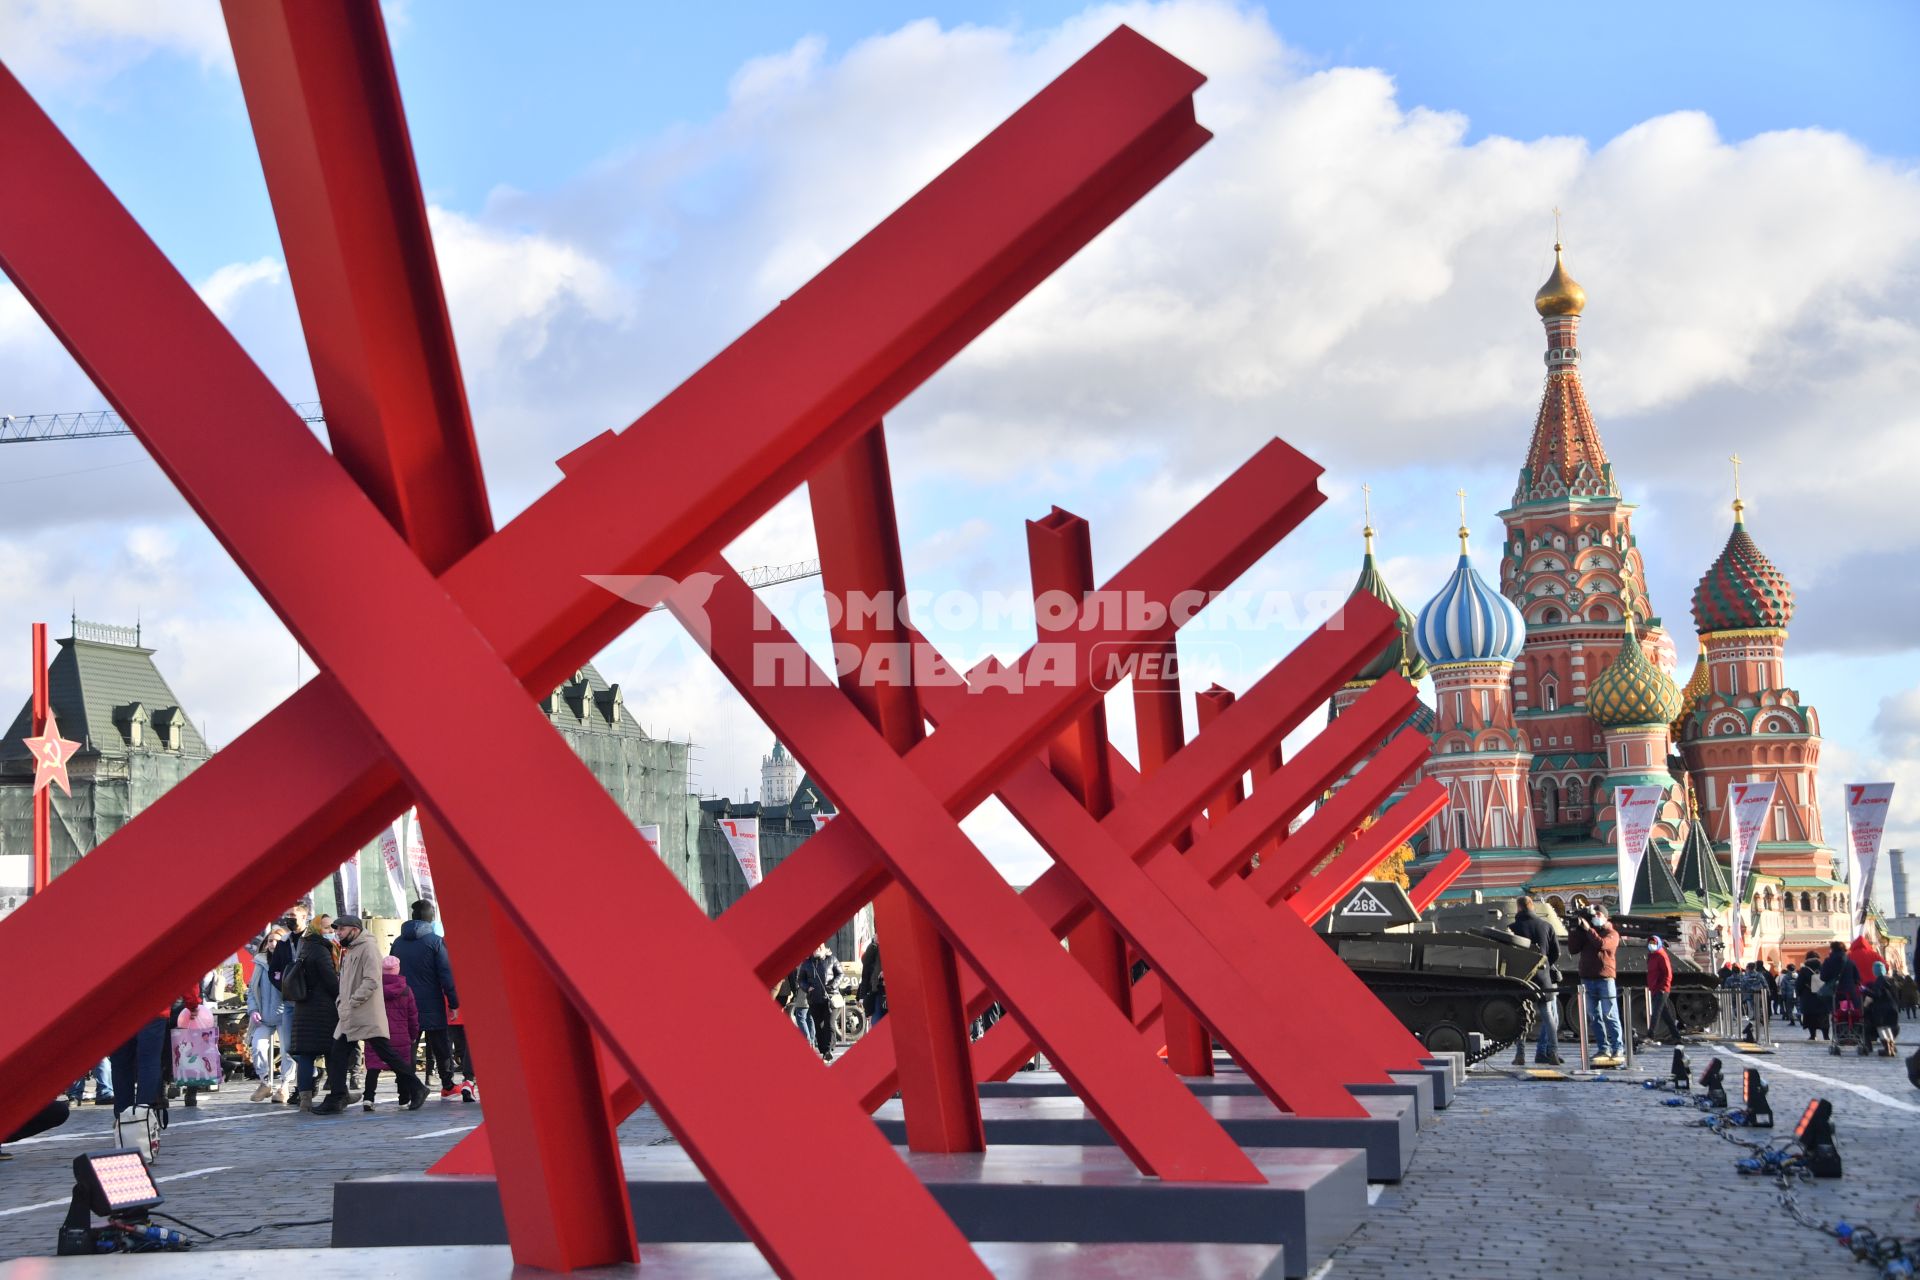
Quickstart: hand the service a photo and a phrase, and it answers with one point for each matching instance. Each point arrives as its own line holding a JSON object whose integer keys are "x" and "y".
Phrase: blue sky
{"x": 620, "y": 189}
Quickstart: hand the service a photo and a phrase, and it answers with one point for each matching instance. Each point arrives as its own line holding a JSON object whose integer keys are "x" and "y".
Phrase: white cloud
{"x": 224, "y": 287}
{"x": 1339, "y": 267}
{"x": 88, "y": 41}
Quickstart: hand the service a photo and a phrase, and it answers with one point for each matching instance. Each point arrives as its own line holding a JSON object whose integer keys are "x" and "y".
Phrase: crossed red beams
{"x": 344, "y": 755}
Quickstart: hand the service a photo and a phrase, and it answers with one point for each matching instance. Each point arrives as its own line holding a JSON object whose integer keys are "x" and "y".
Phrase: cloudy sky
{"x": 616, "y": 193}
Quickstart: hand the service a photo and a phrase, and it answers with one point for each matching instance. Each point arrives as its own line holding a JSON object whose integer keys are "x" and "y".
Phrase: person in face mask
{"x": 361, "y": 1006}
{"x": 1660, "y": 988}
{"x": 1590, "y": 937}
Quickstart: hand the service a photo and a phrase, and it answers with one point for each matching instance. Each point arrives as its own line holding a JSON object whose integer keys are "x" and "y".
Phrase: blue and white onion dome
{"x": 1469, "y": 621}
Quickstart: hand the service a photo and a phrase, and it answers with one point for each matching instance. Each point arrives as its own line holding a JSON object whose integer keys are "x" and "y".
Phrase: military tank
{"x": 1457, "y": 971}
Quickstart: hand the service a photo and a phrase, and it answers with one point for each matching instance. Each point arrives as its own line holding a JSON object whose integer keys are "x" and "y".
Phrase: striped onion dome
{"x": 1469, "y": 621}
{"x": 1632, "y": 691}
{"x": 1742, "y": 590}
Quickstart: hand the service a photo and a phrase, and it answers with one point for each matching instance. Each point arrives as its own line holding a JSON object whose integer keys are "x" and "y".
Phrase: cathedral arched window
{"x": 1766, "y": 900}
{"x": 1599, "y": 613}
{"x": 1575, "y": 797}
{"x": 1549, "y": 691}
{"x": 1820, "y": 901}
{"x": 1549, "y": 801}
{"x": 1806, "y": 901}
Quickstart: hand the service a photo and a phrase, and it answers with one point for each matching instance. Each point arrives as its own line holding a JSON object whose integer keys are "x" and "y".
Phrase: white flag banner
{"x": 743, "y": 837}
{"x": 350, "y": 885}
{"x": 389, "y": 846}
{"x": 651, "y": 832}
{"x": 1867, "y": 807}
{"x": 820, "y": 821}
{"x": 1635, "y": 809}
{"x": 862, "y": 930}
{"x": 1748, "y": 804}
{"x": 417, "y": 857}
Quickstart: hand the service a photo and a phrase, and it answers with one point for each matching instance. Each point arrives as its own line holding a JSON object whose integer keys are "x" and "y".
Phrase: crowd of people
{"x": 809, "y": 992}
{"x": 327, "y": 1016}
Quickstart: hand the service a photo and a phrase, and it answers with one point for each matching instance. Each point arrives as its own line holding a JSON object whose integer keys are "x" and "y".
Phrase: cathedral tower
{"x": 1470, "y": 635}
{"x": 1748, "y": 726}
{"x": 1570, "y": 565}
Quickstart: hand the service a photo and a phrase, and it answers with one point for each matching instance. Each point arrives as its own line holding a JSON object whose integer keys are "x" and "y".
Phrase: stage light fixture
{"x": 1682, "y": 1072}
{"x": 1753, "y": 1100}
{"x": 1714, "y": 1083}
{"x": 1815, "y": 1135}
{"x": 118, "y": 1186}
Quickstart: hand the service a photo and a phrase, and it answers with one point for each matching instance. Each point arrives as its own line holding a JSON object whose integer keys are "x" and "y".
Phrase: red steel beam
{"x": 1440, "y": 876}
{"x": 1060, "y": 561}
{"x": 334, "y": 146}
{"x": 294, "y": 570}
{"x": 859, "y": 542}
{"x": 1159, "y": 734}
{"x": 1365, "y": 849}
{"x": 1063, "y": 171}
{"x": 1135, "y": 1099}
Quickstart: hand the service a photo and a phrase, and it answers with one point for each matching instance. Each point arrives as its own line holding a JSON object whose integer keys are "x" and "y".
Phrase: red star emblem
{"x": 51, "y": 752}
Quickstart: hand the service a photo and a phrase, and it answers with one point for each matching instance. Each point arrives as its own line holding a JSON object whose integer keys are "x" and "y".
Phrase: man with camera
{"x": 1590, "y": 937}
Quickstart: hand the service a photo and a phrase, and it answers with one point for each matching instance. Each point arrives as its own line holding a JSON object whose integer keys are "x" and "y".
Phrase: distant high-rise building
{"x": 1897, "y": 880}
{"x": 779, "y": 776}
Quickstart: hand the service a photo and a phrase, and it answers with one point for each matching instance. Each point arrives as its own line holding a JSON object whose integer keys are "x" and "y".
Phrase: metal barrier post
{"x": 1623, "y": 1009}
{"x": 1580, "y": 1009}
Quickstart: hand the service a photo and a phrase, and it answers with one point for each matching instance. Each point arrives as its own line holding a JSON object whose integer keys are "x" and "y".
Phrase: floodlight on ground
{"x": 1714, "y": 1083}
{"x": 1758, "y": 1112}
{"x": 1682, "y": 1072}
{"x": 115, "y": 1185}
{"x": 1814, "y": 1133}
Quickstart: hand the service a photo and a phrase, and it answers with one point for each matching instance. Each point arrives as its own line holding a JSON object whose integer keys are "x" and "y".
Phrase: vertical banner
{"x": 417, "y": 857}
{"x": 1635, "y": 809}
{"x": 389, "y": 847}
{"x": 650, "y": 831}
{"x": 1867, "y": 806}
{"x": 349, "y": 882}
{"x": 1748, "y": 804}
{"x": 743, "y": 837}
{"x": 820, "y": 821}
{"x": 862, "y": 930}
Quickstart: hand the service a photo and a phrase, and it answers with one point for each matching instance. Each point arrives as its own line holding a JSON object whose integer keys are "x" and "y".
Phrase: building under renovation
{"x": 136, "y": 741}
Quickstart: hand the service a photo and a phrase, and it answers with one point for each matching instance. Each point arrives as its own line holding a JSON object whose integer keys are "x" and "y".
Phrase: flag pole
{"x": 42, "y": 796}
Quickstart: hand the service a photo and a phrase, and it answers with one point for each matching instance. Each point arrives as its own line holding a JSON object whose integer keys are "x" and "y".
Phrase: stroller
{"x": 1850, "y": 1026}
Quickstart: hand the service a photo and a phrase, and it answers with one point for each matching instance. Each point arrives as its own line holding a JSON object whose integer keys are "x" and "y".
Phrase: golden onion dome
{"x": 1561, "y": 295}
{"x": 1696, "y": 688}
{"x": 1632, "y": 692}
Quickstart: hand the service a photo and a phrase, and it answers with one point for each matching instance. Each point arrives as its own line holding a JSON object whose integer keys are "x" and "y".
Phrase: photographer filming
{"x": 1590, "y": 937}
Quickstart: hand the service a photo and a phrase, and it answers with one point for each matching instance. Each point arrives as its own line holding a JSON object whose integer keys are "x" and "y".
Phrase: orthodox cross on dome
{"x": 1462, "y": 495}
{"x": 1366, "y": 507}
{"x": 1738, "y": 505}
{"x": 1556, "y": 226}
{"x": 51, "y": 754}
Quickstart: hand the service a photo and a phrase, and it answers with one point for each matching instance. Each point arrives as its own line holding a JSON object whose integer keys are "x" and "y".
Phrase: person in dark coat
{"x": 872, "y": 991}
{"x": 1882, "y": 1008}
{"x": 315, "y": 1017}
{"x": 1538, "y": 931}
{"x": 1813, "y": 1004}
{"x": 429, "y": 973}
{"x": 1842, "y": 980}
{"x": 818, "y": 973}
{"x": 403, "y": 1027}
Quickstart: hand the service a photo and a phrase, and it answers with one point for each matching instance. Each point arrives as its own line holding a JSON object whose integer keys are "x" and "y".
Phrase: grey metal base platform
{"x": 1419, "y": 1087}
{"x": 1312, "y": 1200}
{"x": 662, "y": 1262}
{"x": 1386, "y": 1133}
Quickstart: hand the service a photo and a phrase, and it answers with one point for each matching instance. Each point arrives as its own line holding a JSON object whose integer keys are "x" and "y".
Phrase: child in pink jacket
{"x": 403, "y": 1025}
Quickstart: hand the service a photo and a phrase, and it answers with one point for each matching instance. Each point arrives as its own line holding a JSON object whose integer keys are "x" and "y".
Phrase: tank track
{"x": 1393, "y": 987}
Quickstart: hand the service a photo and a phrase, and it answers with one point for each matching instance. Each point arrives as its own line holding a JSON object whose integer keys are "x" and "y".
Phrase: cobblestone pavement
{"x": 1590, "y": 1177}
{"x": 236, "y": 1164}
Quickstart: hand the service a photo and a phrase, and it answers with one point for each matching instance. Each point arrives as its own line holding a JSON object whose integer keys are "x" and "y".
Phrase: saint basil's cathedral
{"x": 1558, "y": 686}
